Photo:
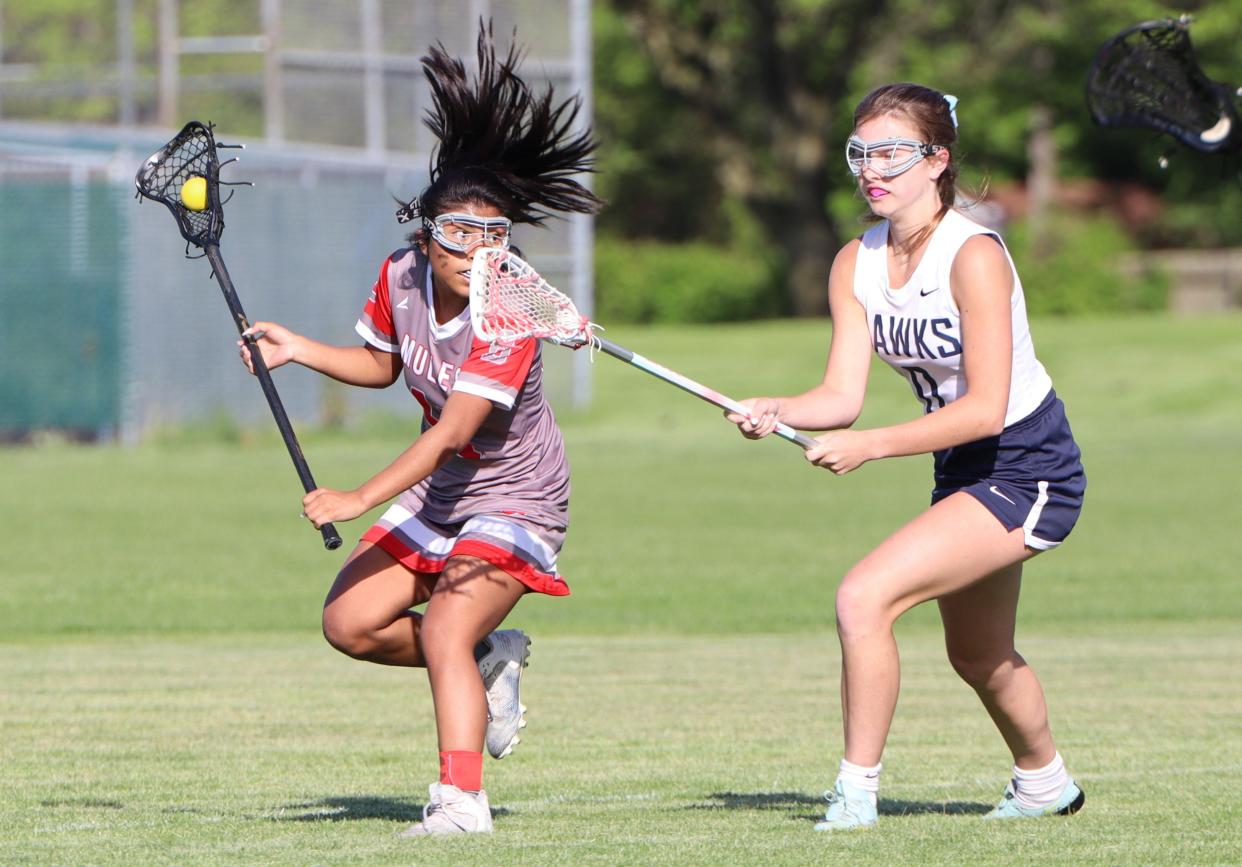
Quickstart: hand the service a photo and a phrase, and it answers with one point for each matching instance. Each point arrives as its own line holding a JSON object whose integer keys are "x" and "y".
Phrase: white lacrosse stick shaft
{"x": 509, "y": 301}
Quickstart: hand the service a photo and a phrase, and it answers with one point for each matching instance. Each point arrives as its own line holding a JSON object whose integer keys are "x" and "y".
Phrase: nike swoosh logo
{"x": 925, "y": 292}
{"x": 403, "y": 304}
{"x": 996, "y": 491}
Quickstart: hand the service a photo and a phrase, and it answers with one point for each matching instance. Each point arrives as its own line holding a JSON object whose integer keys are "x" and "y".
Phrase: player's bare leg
{"x": 470, "y": 600}
{"x": 367, "y": 613}
{"x": 952, "y": 545}
{"x": 979, "y": 624}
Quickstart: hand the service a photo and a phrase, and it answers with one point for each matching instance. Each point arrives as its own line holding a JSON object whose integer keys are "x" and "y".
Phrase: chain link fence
{"x": 107, "y": 330}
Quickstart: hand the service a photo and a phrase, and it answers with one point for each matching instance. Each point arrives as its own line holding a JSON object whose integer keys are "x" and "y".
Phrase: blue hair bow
{"x": 952, "y": 101}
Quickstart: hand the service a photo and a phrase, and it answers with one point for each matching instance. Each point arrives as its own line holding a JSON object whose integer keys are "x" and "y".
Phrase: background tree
{"x": 765, "y": 80}
{"x": 722, "y": 121}
{"x": 729, "y": 116}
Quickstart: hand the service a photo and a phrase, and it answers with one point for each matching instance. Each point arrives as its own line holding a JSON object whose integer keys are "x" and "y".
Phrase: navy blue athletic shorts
{"x": 1029, "y": 476}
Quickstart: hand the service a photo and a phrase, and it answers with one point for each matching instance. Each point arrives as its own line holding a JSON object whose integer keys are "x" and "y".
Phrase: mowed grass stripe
{"x": 658, "y": 749}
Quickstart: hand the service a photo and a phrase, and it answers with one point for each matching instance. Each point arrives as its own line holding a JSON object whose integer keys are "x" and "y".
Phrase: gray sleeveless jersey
{"x": 515, "y": 465}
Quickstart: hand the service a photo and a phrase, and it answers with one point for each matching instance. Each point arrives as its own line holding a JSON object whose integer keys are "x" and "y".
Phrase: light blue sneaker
{"x": 849, "y": 807}
{"x": 1069, "y": 802}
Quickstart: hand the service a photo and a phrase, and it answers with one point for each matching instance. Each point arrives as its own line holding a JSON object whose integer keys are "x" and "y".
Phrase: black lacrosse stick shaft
{"x": 162, "y": 178}
{"x": 331, "y": 538}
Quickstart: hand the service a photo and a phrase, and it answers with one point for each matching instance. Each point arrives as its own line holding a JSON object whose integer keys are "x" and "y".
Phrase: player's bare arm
{"x": 837, "y": 400}
{"x": 463, "y": 414}
{"x": 353, "y": 365}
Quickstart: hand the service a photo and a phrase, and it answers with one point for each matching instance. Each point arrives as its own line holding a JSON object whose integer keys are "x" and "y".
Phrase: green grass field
{"x": 165, "y": 696}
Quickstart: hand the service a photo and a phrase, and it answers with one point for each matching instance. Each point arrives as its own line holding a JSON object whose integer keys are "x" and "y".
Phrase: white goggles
{"x": 888, "y": 158}
{"x": 463, "y": 233}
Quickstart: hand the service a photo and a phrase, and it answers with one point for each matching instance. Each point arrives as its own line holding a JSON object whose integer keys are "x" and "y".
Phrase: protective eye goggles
{"x": 888, "y": 158}
{"x": 463, "y": 233}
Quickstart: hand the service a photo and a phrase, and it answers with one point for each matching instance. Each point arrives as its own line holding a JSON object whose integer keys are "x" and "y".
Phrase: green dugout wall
{"x": 61, "y": 312}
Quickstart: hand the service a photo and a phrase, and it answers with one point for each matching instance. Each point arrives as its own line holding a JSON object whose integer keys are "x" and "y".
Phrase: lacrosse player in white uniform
{"x": 482, "y": 494}
{"x": 937, "y": 297}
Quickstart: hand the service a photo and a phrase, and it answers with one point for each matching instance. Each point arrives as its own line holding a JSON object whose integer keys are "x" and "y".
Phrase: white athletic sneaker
{"x": 501, "y": 668}
{"x": 449, "y": 810}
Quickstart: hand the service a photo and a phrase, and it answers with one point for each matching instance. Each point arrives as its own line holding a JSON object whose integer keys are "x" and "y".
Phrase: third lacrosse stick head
{"x": 1148, "y": 77}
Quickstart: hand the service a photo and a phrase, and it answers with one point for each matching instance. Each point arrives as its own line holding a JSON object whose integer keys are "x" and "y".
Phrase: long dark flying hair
{"x": 499, "y": 143}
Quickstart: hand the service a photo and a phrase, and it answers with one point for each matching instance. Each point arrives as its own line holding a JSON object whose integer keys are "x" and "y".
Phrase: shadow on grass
{"x": 782, "y": 801}
{"x": 789, "y": 801}
{"x": 344, "y": 809}
{"x": 349, "y": 809}
{"x": 889, "y": 807}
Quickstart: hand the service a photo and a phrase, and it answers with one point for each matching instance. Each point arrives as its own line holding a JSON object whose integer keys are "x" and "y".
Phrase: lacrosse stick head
{"x": 509, "y": 302}
{"x": 1148, "y": 77}
{"x": 190, "y": 154}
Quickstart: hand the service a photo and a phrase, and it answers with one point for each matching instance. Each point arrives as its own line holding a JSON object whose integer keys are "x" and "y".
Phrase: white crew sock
{"x": 867, "y": 779}
{"x": 1042, "y": 786}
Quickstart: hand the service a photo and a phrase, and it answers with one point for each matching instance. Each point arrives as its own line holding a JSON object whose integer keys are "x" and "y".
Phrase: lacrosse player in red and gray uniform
{"x": 482, "y": 495}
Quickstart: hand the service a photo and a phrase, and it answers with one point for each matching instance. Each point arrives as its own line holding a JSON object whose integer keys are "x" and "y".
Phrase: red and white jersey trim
{"x": 495, "y": 395}
{"x": 374, "y": 339}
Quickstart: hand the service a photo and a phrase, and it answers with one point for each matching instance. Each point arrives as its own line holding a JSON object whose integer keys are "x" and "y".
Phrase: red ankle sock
{"x": 463, "y": 769}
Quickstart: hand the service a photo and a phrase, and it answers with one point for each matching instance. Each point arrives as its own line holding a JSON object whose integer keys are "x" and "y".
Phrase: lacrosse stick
{"x": 1148, "y": 77}
{"x": 509, "y": 301}
{"x": 184, "y": 176}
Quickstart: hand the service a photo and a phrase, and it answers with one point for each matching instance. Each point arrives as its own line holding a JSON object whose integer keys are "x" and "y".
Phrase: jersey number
{"x": 925, "y": 389}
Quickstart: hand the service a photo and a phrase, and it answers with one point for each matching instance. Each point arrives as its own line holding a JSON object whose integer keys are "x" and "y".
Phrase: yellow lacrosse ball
{"x": 194, "y": 193}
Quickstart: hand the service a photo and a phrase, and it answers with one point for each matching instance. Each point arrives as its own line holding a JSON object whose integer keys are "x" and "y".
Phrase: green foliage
{"x": 1003, "y": 60}
{"x": 647, "y": 281}
{"x": 72, "y": 46}
{"x": 707, "y": 111}
{"x": 757, "y": 86}
{"x": 654, "y": 162}
{"x": 1080, "y": 272}
{"x": 1203, "y": 203}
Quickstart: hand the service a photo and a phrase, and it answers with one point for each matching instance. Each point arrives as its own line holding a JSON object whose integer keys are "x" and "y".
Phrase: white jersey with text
{"x": 917, "y": 327}
{"x": 515, "y": 464}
